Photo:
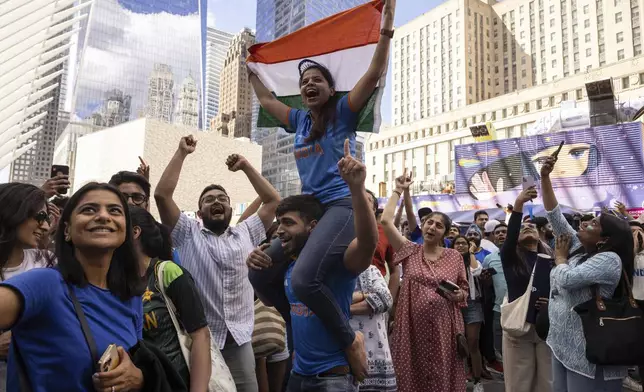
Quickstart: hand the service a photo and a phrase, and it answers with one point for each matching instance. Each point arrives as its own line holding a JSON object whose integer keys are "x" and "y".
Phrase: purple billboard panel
{"x": 596, "y": 167}
{"x": 592, "y": 157}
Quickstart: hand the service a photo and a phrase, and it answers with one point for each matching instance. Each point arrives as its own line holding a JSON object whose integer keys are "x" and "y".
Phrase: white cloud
{"x": 211, "y": 17}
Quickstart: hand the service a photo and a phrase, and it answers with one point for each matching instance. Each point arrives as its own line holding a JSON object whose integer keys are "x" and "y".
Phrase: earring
{"x": 68, "y": 238}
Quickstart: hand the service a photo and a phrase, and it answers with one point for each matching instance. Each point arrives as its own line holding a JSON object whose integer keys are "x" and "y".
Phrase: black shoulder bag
{"x": 613, "y": 328}
{"x": 25, "y": 385}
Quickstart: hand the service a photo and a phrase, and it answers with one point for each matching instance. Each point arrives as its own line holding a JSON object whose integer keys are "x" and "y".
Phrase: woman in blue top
{"x": 320, "y": 133}
{"x": 96, "y": 261}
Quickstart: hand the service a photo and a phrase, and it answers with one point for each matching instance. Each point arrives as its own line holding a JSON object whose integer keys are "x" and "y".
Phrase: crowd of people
{"x": 322, "y": 291}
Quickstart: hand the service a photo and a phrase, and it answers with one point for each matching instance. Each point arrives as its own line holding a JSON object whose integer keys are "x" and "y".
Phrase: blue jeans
{"x": 566, "y": 381}
{"x": 339, "y": 383}
{"x": 323, "y": 252}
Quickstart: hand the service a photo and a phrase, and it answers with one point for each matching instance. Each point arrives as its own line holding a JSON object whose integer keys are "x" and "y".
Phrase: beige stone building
{"x": 101, "y": 154}
{"x": 235, "y": 94}
{"x": 466, "y": 51}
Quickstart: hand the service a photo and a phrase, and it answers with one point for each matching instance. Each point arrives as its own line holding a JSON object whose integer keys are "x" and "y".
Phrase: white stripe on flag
{"x": 347, "y": 67}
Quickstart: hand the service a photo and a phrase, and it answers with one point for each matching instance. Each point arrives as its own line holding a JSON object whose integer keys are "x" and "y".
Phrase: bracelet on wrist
{"x": 398, "y": 192}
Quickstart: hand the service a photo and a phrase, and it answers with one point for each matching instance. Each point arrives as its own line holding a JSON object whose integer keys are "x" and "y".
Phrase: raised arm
{"x": 398, "y": 215}
{"x": 267, "y": 194}
{"x": 168, "y": 209}
{"x": 508, "y": 250}
{"x": 396, "y": 239}
{"x": 547, "y": 192}
{"x": 359, "y": 254}
{"x": 360, "y": 94}
{"x": 268, "y": 101}
{"x": 409, "y": 206}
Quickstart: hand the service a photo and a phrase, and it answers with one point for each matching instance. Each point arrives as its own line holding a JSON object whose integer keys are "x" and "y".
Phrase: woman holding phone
{"x": 97, "y": 265}
{"x": 519, "y": 258}
{"x": 424, "y": 346}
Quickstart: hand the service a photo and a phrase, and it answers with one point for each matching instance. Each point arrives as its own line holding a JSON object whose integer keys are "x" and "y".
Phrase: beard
{"x": 296, "y": 244}
{"x": 217, "y": 225}
{"x": 550, "y": 235}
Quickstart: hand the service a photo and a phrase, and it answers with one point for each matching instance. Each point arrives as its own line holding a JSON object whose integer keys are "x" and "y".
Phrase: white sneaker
{"x": 631, "y": 385}
{"x": 478, "y": 387}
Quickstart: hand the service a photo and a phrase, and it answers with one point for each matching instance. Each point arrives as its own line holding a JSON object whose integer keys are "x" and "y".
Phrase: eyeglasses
{"x": 42, "y": 216}
{"x": 211, "y": 199}
{"x": 137, "y": 198}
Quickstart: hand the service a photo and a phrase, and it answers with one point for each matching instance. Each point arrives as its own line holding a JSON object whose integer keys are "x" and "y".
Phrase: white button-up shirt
{"x": 218, "y": 266}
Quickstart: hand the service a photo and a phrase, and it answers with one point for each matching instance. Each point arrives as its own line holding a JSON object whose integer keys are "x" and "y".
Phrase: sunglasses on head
{"x": 42, "y": 216}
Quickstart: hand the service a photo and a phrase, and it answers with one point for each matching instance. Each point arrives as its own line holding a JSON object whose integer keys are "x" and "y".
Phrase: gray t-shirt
{"x": 33, "y": 258}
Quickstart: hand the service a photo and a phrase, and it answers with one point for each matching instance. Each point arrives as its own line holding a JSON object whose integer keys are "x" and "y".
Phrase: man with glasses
{"x": 215, "y": 254}
{"x": 135, "y": 188}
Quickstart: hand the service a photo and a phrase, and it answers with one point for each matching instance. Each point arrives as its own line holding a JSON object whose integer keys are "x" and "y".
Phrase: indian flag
{"x": 344, "y": 43}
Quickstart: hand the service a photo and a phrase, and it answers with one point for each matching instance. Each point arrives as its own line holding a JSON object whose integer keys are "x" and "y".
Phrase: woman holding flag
{"x": 331, "y": 116}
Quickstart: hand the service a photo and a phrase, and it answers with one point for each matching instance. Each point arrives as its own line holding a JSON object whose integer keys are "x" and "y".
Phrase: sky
{"x": 232, "y": 16}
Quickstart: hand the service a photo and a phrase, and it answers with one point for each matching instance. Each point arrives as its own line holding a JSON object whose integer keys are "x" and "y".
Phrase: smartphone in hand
{"x": 529, "y": 182}
{"x": 555, "y": 154}
{"x": 57, "y": 170}
{"x": 109, "y": 360}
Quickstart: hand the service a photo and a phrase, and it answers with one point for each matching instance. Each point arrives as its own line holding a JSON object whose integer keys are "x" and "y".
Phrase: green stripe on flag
{"x": 366, "y": 117}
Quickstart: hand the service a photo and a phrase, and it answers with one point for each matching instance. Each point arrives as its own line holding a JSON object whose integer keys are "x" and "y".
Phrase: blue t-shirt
{"x": 50, "y": 337}
{"x": 175, "y": 256}
{"x": 481, "y": 255}
{"x": 317, "y": 161}
{"x": 316, "y": 349}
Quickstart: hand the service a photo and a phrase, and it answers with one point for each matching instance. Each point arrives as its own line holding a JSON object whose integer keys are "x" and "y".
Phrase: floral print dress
{"x": 374, "y": 328}
{"x": 424, "y": 340}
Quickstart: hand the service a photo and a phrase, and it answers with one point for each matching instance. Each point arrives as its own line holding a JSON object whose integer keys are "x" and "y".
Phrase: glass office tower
{"x": 141, "y": 58}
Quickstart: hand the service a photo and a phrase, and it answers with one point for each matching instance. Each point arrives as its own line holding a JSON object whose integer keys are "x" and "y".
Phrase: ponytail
{"x": 155, "y": 237}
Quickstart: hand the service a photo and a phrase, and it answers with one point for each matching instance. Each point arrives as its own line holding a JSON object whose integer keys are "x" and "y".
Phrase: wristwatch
{"x": 387, "y": 33}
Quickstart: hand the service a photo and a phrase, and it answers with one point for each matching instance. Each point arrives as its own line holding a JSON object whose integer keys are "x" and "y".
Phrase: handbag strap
{"x": 89, "y": 338}
{"x": 23, "y": 377}
{"x": 168, "y": 302}
{"x": 599, "y": 301}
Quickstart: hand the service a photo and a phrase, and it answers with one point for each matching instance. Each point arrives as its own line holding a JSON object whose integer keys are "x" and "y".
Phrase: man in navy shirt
{"x": 320, "y": 362}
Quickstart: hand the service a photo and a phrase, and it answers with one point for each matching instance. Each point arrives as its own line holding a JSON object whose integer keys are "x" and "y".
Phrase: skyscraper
{"x": 217, "y": 43}
{"x": 275, "y": 19}
{"x": 138, "y": 59}
{"x": 235, "y": 94}
{"x": 34, "y": 47}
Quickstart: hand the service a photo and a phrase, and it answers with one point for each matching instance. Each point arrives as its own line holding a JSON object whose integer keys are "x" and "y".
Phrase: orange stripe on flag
{"x": 358, "y": 26}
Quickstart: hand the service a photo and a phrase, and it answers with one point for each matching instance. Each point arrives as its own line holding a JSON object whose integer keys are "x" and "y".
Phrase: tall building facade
{"x": 466, "y": 51}
{"x": 217, "y": 43}
{"x": 275, "y": 19}
{"x": 35, "y": 43}
{"x": 235, "y": 92}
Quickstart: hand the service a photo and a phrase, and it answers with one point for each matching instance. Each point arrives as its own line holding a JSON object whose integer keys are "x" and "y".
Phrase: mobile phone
{"x": 490, "y": 271}
{"x": 109, "y": 360}
{"x": 528, "y": 182}
{"x": 60, "y": 170}
{"x": 446, "y": 285}
{"x": 556, "y": 153}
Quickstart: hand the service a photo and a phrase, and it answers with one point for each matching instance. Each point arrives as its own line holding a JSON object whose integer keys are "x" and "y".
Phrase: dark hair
{"x": 375, "y": 200}
{"x": 210, "y": 188}
{"x": 328, "y": 112}
{"x": 60, "y": 202}
{"x": 620, "y": 241}
{"x": 521, "y": 267}
{"x": 466, "y": 255}
{"x": 123, "y": 278}
{"x": 447, "y": 222}
{"x": 586, "y": 218}
{"x": 155, "y": 237}
{"x": 479, "y": 213}
{"x": 502, "y": 224}
{"x": 19, "y": 202}
{"x": 540, "y": 222}
{"x": 308, "y": 206}
{"x": 123, "y": 177}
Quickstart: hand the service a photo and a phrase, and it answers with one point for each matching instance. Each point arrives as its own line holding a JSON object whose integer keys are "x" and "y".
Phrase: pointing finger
{"x": 347, "y": 148}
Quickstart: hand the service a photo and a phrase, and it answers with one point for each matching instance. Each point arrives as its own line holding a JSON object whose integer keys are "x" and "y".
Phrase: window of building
{"x": 626, "y": 82}
{"x": 552, "y": 23}
{"x": 579, "y": 93}
{"x": 620, "y": 54}
{"x": 552, "y": 9}
{"x": 587, "y": 37}
{"x": 554, "y": 63}
{"x": 586, "y": 9}
{"x": 620, "y": 37}
{"x": 587, "y": 23}
{"x": 438, "y": 168}
{"x": 553, "y": 50}
{"x": 618, "y": 17}
{"x": 588, "y": 52}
